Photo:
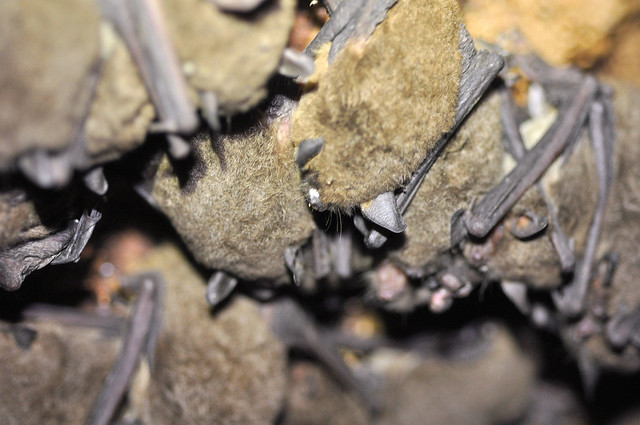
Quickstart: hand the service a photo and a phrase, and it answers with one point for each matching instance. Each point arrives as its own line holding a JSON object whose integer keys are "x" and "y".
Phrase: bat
{"x": 517, "y": 149}
{"x": 415, "y": 389}
{"x": 478, "y": 71}
{"x": 36, "y": 137}
{"x": 211, "y": 365}
{"x": 482, "y": 216}
{"x": 241, "y": 213}
{"x": 346, "y": 94}
{"x": 598, "y": 326}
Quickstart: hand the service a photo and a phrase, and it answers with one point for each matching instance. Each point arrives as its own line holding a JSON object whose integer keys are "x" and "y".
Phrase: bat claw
{"x": 209, "y": 104}
{"x": 528, "y": 225}
{"x": 179, "y": 148}
{"x": 96, "y": 181}
{"x": 219, "y": 287}
{"x": 294, "y": 64}
{"x": 46, "y": 170}
{"x": 383, "y": 211}
{"x": 238, "y": 6}
{"x": 293, "y": 258}
{"x": 308, "y": 150}
{"x": 621, "y": 326}
{"x": 517, "y": 294}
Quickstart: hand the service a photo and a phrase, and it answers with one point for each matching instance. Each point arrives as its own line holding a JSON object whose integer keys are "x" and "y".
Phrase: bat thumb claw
{"x": 308, "y": 150}
{"x": 383, "y": 211}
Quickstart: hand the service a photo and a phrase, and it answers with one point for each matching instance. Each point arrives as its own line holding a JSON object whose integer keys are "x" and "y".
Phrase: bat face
{"x": 381, "y": 105}
{"x": 240, "y": 211}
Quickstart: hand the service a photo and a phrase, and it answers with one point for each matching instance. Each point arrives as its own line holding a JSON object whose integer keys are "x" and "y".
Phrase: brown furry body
{"x": 56, "y": 379}
{"x": 121, "y": 111}
{"x": 230, "y": 54}
{"x": 383, "y": 103}
{"x": 620, "y": 233}
{"x": 77, "y": 91}
{"x": 469, "y": 167}
{"x": 225, "y": 369}
{"x": 43, "y": 90}
{"x": 491, "y": 387}
{"x": 239, "y": 217}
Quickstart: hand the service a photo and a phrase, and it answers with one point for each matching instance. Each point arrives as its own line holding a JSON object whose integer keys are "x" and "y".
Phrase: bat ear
{"x": 383, "y": 211}
{"x": 307, "y": 150}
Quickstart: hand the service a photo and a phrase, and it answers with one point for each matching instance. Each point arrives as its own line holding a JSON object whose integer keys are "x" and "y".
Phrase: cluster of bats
{"x": 394, "y": 126}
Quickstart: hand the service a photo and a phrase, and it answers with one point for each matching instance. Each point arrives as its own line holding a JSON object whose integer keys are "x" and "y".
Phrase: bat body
{"x": 57, "y": 377}
{"x": 381, "y": 105}
{"x": 427, "y": 389}
{"x": 215, "y": 369}
{"x": 237, "y": 212}
{"x": 130, "y": 62}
